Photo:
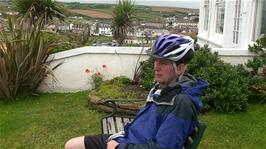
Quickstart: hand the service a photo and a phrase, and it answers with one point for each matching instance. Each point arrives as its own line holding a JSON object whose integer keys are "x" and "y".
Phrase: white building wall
{"x": 105, "y": 31}
{"x": 225, "y": 40}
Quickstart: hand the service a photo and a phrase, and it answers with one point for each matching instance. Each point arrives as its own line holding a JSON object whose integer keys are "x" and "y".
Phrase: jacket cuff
{"x": 121, "y": 146}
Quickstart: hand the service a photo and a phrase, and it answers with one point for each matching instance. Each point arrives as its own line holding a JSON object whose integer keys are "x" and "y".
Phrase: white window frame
{"x": 206, "y": 15}
{"x": 237, "y": 22}
{"x": 217, "y": 3}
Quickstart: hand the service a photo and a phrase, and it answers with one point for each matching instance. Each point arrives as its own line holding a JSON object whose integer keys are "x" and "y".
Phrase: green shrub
{"x": 257, "y": 83}
{"x": 122, "y": 80}
{"x": 63, "y": 47}
{"x": 147, "y": 73}
{"x": 258, "y": 89}
{"x": 228, "y": 85}
{"x": 259, "y": 60}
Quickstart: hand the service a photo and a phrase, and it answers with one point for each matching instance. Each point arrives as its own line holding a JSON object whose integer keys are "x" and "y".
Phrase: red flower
{"x": 260, "y": 90}
{"x": 87, "y": 71}
{"x": 98, "y": 74}
{"x": 104, "y": 66}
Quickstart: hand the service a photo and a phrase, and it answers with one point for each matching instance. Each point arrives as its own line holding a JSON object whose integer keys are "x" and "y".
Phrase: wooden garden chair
{"x": 115, "y": 122}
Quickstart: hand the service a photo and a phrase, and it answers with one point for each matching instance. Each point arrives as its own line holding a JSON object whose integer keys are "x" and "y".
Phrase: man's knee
{"x": 75, "y": 143}
{"x": 69, "y": 144}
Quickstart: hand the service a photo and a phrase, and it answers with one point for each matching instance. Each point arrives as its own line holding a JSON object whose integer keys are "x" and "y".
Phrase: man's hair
{"x": 186, "y": 58}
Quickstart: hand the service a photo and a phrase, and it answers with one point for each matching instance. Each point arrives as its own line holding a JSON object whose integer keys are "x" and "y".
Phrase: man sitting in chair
{"x": 170, "y": 113}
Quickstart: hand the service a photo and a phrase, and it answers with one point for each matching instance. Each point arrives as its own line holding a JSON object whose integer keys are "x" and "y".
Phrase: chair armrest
{"x": 114, "y": 103}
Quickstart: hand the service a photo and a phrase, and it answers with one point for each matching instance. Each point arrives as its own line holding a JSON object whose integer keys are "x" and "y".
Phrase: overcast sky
{"x": 170, "y": 3}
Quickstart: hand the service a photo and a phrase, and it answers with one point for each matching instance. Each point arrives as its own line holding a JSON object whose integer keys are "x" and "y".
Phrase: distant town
{"x": 95, "y": 20}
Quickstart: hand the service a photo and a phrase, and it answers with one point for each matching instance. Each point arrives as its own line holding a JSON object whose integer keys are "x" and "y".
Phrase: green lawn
{"x": 49, "y": 120}
{"x": 46, "y": 122}
{"x": 245, "y": 130}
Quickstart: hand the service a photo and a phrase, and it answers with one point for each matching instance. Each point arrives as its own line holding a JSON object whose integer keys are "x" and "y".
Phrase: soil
{"x": 172, "y": 9}
{"x": 139, "y": 91}
{"x": 92, "y": 13}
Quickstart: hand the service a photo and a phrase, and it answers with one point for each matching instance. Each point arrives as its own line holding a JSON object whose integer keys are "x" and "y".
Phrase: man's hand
{"x": 112, "y": 144}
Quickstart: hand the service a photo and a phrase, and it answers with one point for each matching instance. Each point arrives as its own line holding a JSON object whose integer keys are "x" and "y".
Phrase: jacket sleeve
{"x": 173, "y": 131}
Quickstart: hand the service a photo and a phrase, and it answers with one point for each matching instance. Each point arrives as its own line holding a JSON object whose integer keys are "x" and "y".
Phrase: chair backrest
{"x": 114, "y": 124}
{"x": 195, "y": 138}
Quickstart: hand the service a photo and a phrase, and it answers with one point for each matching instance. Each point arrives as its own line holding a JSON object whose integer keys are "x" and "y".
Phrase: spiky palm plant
{"x": 37, "y": 8}
{"x": 23, "y": 57}
{"x": 123, "y": 20}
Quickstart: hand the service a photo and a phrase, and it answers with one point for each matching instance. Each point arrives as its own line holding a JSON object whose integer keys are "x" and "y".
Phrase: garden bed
{"x": 118, "y": 89}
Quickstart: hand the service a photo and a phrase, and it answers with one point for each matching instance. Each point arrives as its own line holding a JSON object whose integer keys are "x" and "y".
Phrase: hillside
{"x": 173, "y": 9}
{"x": 103, "y": 11}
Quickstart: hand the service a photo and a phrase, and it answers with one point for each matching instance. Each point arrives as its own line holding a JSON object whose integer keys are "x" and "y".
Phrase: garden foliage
{"x": 259, "y": 60}
{"x": 122, "y": 20}
{"x": 146, "y": 73}
{"x": 258, "y": 78}
{"x": 228, "y": 85}
{"x": 118, "y": 87}
{"x": 23, "y": 57}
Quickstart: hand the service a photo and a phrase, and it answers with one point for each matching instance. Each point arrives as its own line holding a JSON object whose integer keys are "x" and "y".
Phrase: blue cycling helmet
{"x": 173, "y": 47}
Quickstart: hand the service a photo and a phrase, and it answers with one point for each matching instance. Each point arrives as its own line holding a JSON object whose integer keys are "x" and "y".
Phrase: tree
{"x": 37, "y": 8}
{"x": 123, "y": 19}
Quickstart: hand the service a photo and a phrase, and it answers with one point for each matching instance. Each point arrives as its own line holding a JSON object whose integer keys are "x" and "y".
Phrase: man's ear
{"x": 181, "y": 68}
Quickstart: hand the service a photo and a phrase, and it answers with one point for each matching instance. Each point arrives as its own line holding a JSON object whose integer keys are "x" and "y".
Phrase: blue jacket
{"x": 168, "y": 117}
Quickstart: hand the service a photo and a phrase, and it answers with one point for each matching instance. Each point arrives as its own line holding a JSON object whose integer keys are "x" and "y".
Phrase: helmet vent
{"x": 172, "y": 48}
{"x": 171, "y": 37}
{"x": 165, "y": 46}
{"x": 159, "y": 44}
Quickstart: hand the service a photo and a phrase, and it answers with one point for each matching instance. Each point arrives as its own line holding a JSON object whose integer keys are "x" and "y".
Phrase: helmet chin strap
{"x": 178, "y": 73}
{"x": 175, "y": 68}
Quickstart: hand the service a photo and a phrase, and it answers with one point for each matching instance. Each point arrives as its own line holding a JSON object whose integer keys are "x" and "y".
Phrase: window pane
{"x": 263, "y": 25}
{"x": 220, "y": 4}
{"x": 260, "y": 17}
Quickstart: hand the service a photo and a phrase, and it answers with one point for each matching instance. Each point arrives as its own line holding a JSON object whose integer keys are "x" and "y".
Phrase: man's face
{"x": 164, "y": 71}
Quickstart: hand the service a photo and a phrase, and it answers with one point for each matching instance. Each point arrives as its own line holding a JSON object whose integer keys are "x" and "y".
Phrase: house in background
{"x": 229, "y": 26}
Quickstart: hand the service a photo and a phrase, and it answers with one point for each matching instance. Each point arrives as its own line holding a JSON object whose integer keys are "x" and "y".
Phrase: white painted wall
{"x": 233, "y": 56}
{"x": 71, "y": 75}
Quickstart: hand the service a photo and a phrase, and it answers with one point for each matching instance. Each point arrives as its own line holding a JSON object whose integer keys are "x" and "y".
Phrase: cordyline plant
{"x": 123, "y": 20}
{"x": 23, "y": 57}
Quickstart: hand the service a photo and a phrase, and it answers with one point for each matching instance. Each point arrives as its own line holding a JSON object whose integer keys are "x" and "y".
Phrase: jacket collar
{"x": 164, "y": 96}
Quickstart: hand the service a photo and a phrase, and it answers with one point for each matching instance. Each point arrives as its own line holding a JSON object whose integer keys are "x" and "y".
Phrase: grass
{"x": 46, "y": 121}
{"x": 49, "y": 120}
{"x": 245, "y": 130}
